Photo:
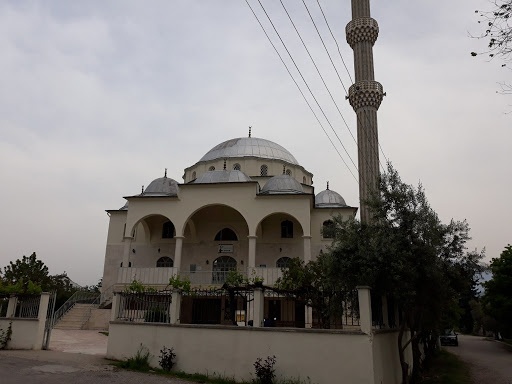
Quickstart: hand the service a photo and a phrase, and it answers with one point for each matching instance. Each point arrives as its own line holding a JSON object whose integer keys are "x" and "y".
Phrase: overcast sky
{"x": 98, "y": 97}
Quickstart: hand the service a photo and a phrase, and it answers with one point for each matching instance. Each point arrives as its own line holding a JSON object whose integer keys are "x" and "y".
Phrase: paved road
{"x": 490, "y": 361}
{"x": 55, "y": 367}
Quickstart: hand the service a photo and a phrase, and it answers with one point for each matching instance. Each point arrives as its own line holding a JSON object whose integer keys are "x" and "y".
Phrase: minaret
{"x": 365, "y": 97}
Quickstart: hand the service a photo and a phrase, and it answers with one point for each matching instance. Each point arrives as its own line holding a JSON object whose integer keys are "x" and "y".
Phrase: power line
{"x": 300, "y": 90}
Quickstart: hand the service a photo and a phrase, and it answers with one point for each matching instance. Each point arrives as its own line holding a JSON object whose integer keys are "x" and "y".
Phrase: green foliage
{"x": 498, "y": 292}
{"x": 167, "y": 357}
{"x": 446, "y": 368}
{"x": 5, "y": 336}
{"x": 176, "y": 282}
{"x": 139, "y": 362}
{"x": 235, "y": 279}
{"x": 156, "y": 315}
{"x": 137, "y": 287}
{"x": 265, "y": 370}
{"x": 30, "y": 288}
{"x": 25, "y": 270}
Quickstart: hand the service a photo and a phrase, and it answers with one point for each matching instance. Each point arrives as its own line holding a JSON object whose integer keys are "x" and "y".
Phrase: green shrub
{"x": 139, "y": 362}
{"x": 167, "y": 357}
{"x": 265, "y": 371}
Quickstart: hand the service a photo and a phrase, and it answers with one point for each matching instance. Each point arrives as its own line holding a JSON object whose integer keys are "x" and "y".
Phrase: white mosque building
{"x": 246, "y": 205}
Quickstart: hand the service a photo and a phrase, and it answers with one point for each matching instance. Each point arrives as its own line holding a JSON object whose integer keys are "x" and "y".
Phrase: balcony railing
{"x": 145, "y": 275}
{"x": 269, "y": 275}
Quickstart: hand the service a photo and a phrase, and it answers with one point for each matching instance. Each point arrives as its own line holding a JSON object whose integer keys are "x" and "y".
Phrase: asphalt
{"x": 490, "y": 361}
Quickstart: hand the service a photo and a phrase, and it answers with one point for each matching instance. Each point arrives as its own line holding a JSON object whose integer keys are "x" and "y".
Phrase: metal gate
{"x": 49, "y": 320}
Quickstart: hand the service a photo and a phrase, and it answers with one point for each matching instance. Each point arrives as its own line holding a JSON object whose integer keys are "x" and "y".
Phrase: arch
{"x": 328, "y": 229}
{"x": 164, "y": 262}
{"x": 264, "y": 170}
{"x": 226, "y": 234}
{"x": 197, "y": 210}
{"x": 283, "y": 262}
{"x": 287, "y": 229}
{"x": 144, "y": 222}
{"x": 222, "y": 266}
{"x": 288, "y": 216}
{"x": 168, "y": 230}
{"x": 237, "y": 167}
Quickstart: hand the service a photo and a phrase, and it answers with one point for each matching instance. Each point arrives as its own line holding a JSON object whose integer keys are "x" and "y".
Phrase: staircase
{"x": 76, "y": 317}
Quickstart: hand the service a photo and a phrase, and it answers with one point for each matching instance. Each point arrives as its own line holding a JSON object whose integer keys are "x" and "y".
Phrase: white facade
{"x": 246, "y": 204}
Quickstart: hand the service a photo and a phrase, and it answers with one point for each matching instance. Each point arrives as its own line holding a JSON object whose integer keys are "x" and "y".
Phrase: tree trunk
{"x": 416, "y": 359}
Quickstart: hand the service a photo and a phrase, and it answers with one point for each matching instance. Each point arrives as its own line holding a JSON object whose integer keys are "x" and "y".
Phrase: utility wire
{"x": 300, "y": 90}
{"x": 349, "y": 75}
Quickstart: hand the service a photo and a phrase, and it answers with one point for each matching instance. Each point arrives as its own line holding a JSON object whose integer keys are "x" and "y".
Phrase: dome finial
{"x": 142, "y": 189}
{"x": 327, "y": 185}
{"x": 284, "y": 169}
{"x": 250, "y": 127}
{"x": 165, "y": 174}
{"x": 224, "y": 164}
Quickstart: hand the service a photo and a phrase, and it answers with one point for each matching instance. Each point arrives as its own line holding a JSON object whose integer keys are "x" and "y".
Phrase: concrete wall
{"x": 26, "y": 333}
{"x": 326, "y": 357}
{"x": 99, "y": 319}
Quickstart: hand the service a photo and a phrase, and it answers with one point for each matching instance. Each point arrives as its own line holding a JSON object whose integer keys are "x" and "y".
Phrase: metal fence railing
{"x": 148, "y": 307}
{"x": 82, "y": 297}
{"x": 233, "y": 306}
{"x": 4, "y": 302}
{"x": 27, "y": 306}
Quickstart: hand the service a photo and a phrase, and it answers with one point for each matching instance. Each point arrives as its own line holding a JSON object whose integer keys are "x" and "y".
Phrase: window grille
{"x": 212, "y": 168}
{"x": 263, "y": 170}
{"x": 226, "y": 234}
{"x": 164, "y": 262}
{"x": 283, "y": 262}
{"x": 328, "y": 229}
{"x": 289, "y": 172}
{"x": 237, "y": 167}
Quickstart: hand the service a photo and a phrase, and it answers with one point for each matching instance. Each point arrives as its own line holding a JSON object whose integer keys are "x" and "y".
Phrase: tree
{"x": 407, "y": 254}
{"x": 28, "y": 269}
{"x": 498, "y": 32}
{"x": 498, "y": 292}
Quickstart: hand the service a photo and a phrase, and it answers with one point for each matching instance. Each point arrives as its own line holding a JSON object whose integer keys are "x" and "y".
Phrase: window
{"x": 328, "y": 229}
{"x": 226, "y": 234}
{"x": 129, "y": 264}
{"x": 287, "y": 229}
{"x": 194, "y": 175}
{"x": 263, "y": 170}
{"x": 283, "y": 262}
{"x": 289, "y": 172}
{"x": 164, "y": 262}
{"x": 304, "y": 180}
{"x": 168, "y": 230}
{"x": 222, "y": 266}
{"x": 212, "y": 168}
{"x": 237, "y": 167}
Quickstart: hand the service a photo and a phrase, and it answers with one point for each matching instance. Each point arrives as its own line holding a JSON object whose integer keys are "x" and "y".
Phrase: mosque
{"x": 246, "y": 205}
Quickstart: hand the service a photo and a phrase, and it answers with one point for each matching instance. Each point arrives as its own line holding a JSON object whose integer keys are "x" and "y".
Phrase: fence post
{"x": 259, "y": 307}
{"x": 43, "y": 306}
{"x": 175, "y": 308}
{"x": 365, "y": 308}
{"x": 11, "y": 306}
{"x": 385, "y": 315}
{"x": 116, "y": 300}
{"x": 308, "y": 314}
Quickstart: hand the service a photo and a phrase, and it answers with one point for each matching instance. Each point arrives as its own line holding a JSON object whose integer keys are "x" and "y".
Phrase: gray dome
{"x": 249, "y": 147}
{"x": 125, "y": 206}
{"x": 281, "y": 184}
{"x": 163, "y": 186}
{"x": 222, "y": 177}
{"x": 329, "y": 199}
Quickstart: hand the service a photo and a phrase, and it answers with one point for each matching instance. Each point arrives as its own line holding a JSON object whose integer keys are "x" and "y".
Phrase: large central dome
{"x": 249, "y": 147}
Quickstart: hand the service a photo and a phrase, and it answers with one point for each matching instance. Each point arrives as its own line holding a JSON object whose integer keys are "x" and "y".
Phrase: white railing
{"x": 145, "y": 275}
{"x": 269, "y": 275}
{"x": 208, "y": 277}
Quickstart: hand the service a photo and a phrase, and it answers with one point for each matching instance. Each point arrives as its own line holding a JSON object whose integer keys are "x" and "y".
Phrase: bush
{"x": 167, "y": 357}
{"x": 265, "y": 371}
{"x": 139, "y": 362}
{"x": 156, "y": 315}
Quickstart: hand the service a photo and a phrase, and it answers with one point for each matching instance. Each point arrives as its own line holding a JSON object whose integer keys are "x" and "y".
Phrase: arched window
{"x": 237, "y": 167}
{"x": 212, "y": 168}
{"x": 287, "y": 229}
{"x": 328, "y": 229}
{"x": 289, "y": 172}
{"x": 283, "y": 262}
{"x": 222, "y": 266}
{"x": 226, "y": 234}
{"x": 129, "y": 264}
{"x": 194, "y": 175}
{"x": 263, "y": 170}
{"x": 304, "y": 180}
{"x": 164, "y": 262}
{"x": 168, "y": 230}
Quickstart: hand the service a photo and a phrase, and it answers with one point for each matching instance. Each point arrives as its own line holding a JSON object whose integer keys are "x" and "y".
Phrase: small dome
{"x": 125, "y": 206}
{"x": 232, "y": 176}
{"x": 329, "y": 199}
{"x": 281, "y": 184}
{"x": 249, "y": 147}
{"x": 163, "y": 186}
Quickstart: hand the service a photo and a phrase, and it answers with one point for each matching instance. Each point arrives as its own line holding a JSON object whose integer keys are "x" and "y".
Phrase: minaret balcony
{"x": 362, "y": 29}
{"x": 366, "y": 93}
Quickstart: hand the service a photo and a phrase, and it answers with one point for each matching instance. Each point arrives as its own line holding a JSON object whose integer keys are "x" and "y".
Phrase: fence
{"x": 149, "y": 307}
{"x": 218, "y": 306}
{"x": 4, "y": 302}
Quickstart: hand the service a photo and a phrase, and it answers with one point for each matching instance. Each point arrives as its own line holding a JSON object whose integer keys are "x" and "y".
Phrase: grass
{"x": 103, "y": 333}
{"x": 447, "y": 369}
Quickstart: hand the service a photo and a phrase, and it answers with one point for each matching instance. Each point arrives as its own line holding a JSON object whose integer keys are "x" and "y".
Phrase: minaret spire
{"x": 365, "y": 96}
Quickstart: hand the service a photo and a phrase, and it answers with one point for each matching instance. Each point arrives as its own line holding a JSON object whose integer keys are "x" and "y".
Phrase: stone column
{"x": 307, "y": 248}
{"x": 365, "y": 308}
{"x": 175, "y": 306}
{"x": 259, "y": 307}
{"x": 177, "y": 253}
{"x": 11, "y": 306}
{"x": 43, "y": 306}
{"x": 252, "y": 251}
{"x": 308, "y": 316}
{"x": 116, "y": 301}
{"x": 127, "y": 251}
